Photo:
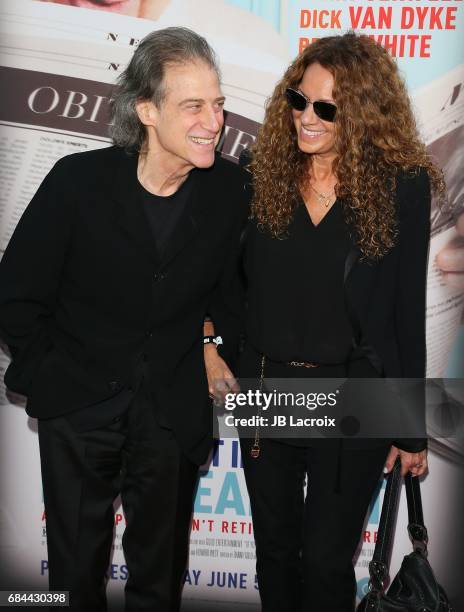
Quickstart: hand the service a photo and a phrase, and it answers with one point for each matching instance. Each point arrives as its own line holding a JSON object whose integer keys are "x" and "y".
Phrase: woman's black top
{"x": 296, "y": 303}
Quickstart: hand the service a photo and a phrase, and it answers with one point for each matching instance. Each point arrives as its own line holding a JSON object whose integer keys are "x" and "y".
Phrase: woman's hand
{"x": 416, "y": 463}
{"x": 220, "y": 379}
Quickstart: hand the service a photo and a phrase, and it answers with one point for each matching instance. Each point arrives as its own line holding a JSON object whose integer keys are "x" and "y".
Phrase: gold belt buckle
{"x": 303, "y": 364}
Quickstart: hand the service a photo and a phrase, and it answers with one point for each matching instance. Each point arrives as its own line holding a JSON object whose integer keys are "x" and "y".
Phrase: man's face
{"x": 187, "y": 125}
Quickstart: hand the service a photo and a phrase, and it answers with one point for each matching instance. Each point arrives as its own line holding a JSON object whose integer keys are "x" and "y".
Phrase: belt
{"x": 302, "y": 364}
{"x": 294, "y": 364}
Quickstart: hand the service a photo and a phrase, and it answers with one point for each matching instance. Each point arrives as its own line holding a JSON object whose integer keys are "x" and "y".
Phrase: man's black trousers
{"x": 83, "y": 473}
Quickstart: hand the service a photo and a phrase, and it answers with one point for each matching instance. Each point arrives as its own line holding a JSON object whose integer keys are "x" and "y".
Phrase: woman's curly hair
{"x": 375, "y": 139}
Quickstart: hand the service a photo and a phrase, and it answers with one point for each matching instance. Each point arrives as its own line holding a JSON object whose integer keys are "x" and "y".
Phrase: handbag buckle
{"x": 419, "y": 538}
{"x": 378, "y": 572}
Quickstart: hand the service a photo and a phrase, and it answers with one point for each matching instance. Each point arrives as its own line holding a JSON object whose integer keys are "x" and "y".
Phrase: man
{"x": 104, "y": 288}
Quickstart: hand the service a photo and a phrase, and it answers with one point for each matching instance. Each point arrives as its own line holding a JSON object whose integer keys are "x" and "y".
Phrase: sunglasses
{"x": 298, "y": 101}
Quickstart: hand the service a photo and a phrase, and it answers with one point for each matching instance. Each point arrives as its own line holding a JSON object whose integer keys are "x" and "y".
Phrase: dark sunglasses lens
{"x": 325, "y": 110}
{"x": 295, "y": 99}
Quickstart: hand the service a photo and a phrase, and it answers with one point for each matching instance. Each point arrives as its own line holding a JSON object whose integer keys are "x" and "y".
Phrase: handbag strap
{"x": 378, "y": 567}
{"x": 416, "y": 528}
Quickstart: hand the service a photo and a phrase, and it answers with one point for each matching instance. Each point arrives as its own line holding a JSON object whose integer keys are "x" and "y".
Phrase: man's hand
{"x": 416, "y": 463}
{"x": 450, "y": 259}
{"x": 220, "y": 379}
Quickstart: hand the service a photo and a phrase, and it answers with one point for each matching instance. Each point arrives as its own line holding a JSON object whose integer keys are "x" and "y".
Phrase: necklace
{"x": 323, "y": 198}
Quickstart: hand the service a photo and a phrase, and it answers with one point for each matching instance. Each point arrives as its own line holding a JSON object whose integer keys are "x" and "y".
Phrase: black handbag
{"x": 414, "y": 588}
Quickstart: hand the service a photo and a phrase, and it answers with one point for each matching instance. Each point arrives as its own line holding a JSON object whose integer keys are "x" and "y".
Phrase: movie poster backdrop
{"x": 59, "y": 62}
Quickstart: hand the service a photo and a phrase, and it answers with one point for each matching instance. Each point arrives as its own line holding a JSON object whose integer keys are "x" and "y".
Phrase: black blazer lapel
{"x": 184, "y": 230}
{"x": 351, "y": 259}
{"x": 365, "y": 274}
{"x": 191, "y": 219}
{"x": 129, "y": 213}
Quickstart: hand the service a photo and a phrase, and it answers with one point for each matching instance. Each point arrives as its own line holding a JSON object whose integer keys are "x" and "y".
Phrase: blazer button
{"x": 159, "y": 276}
{"x": 148, "y": 334}
{"x": 113, "y": 385}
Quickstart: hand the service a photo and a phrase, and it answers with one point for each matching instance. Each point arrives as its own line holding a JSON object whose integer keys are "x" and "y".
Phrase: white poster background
{"x": 95, "y": 45}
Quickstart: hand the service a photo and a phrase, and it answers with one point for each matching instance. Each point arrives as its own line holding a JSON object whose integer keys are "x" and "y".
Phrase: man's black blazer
{"x": 85, "y": 298}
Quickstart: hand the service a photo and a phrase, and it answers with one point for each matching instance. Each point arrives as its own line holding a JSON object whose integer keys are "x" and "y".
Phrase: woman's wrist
{"x": 210, "y": 349}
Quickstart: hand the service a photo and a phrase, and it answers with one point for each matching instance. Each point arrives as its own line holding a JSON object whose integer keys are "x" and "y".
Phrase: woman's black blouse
{"x": 296, "y": 304}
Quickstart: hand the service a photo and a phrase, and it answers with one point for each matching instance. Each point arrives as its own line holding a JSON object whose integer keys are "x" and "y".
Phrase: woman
{"x": 335, "y": 260}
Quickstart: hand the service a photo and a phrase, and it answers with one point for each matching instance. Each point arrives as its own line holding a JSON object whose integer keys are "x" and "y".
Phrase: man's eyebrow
{"x": 201, "y": 100}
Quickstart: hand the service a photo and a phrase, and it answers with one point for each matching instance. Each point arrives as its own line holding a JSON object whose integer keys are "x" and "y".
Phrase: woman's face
{"x": 315, "y": 136}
